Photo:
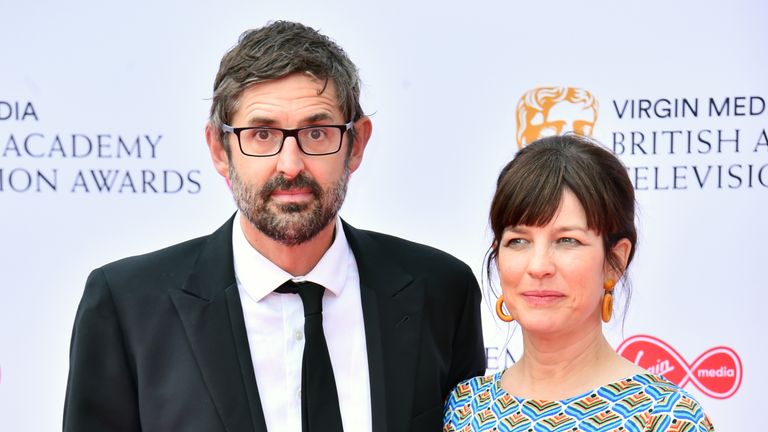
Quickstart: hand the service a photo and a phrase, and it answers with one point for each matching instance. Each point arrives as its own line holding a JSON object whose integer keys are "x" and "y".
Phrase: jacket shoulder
{"x": 414, "y": 255}
{"x": 159, "y": 263}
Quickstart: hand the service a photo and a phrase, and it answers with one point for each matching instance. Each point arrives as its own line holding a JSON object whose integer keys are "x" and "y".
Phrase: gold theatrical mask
{"x": 547, "y": 111}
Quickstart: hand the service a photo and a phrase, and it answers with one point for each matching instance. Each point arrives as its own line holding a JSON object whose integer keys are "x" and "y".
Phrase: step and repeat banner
{"x": 102, "y": 155}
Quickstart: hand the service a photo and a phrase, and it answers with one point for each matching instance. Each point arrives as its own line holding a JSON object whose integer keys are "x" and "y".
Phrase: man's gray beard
{"x": 294, "y": 223}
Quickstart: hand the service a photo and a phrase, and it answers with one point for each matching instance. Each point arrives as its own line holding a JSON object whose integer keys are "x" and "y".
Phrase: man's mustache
{"x": 301, "y": 181}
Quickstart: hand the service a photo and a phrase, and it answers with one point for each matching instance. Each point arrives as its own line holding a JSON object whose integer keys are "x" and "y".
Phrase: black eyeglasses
{"x": 261, "y": 141}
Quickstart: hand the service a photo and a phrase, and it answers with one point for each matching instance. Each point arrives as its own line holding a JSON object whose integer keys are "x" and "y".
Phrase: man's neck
{"x": 297, "y": 260}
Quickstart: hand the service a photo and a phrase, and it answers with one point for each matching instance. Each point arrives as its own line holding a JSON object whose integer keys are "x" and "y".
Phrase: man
{"x": 209, "y": 335}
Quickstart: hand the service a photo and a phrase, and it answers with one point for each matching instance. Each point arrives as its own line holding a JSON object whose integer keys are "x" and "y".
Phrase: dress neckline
{"x": 632, "y": 378}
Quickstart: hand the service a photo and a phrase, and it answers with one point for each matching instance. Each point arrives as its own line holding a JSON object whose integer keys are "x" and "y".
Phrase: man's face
{"x": 290, "y": 197}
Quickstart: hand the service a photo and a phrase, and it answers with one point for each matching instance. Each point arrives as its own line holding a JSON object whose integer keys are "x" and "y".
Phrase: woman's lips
{"x": 542, "y": 298}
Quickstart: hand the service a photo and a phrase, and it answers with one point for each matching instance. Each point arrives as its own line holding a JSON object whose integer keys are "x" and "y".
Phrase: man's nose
{"x": 290, "y": 160}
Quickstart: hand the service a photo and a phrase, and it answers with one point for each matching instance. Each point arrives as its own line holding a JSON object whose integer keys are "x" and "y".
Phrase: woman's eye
{"x": 515, "y": 242}
{"x": 568, "y": 241}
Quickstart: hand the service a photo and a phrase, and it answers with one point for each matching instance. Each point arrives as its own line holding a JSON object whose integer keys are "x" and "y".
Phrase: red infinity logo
{"x": 717, "y": 372}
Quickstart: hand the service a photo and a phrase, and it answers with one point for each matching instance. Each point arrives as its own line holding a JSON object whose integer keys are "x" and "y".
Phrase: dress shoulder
{"x": 471, "y": 387}
{"x": 672, "y": 407}
{"x": 641, "y": 403}
{"x": 468, "y": 398}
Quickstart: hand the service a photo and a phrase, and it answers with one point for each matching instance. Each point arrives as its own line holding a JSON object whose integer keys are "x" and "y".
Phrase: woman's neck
{"x": 554, "y": 368}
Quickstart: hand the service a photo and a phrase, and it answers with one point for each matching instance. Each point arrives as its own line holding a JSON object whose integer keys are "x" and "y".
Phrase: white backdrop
{"x": 442, "y": 84}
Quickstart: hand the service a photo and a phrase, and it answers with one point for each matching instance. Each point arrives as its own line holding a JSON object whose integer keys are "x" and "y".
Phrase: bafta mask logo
{"x": 547, "y": 111}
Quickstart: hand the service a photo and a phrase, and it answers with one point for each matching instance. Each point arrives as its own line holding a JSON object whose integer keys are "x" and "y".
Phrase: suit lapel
{"x": 392, "y": 304}
{"x": 210, "y": 311}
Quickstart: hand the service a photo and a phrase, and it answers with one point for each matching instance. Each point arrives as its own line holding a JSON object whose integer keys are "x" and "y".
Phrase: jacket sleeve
{"x": 101, "y": 391}
{"x": 468, "y": 347}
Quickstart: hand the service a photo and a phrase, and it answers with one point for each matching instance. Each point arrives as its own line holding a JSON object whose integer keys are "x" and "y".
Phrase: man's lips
{"x": 292, "y": 195}
{"x": 542, "y": 297}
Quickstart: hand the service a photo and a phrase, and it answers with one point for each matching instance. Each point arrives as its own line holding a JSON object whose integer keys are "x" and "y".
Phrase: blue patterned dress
{"x": 644, "y": 402}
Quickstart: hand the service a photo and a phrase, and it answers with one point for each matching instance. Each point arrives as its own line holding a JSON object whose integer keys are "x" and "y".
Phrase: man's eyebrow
{"x": 260, "y": 121}
{"x": 266, "y": 121}
{"x": 318, "y": 117}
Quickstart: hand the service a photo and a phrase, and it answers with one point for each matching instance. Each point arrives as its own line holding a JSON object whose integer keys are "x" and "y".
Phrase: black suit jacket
{"x": 159, "y": 341}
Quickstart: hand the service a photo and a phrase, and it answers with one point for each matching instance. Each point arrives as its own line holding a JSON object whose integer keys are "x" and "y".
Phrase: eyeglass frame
{"x": 288, "y": 133}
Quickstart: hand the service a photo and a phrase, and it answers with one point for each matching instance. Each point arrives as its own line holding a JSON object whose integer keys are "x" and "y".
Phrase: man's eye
{"x": 317, "y": 134}
{"x": 263, "y": 134}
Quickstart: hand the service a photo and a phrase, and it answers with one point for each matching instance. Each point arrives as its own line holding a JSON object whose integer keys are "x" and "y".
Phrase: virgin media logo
{"x": 717, "y": 372}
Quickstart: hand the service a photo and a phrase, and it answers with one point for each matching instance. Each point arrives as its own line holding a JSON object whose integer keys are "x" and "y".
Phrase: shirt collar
{"x": 259, "y": 276}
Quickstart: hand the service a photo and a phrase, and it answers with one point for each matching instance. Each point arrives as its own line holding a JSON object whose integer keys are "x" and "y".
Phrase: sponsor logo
{"x": 37, "y": 159}
{"x": 547, "y": 111}
{"x": 717, "y": 372}
{"x": 693, "y": 142}
{"x": 665, "y": 142}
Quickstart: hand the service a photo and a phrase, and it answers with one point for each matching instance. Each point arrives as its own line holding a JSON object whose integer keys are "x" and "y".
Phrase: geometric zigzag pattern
{"x": 642, "y": 403}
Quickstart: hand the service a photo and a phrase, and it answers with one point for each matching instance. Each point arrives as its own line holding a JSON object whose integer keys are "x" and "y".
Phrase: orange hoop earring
{"x": 500, "y": 310}
{"x": 606, "y": 310}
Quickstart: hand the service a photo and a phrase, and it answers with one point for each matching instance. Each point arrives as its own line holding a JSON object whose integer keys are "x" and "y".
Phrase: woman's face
{"x": 552, "y": 276}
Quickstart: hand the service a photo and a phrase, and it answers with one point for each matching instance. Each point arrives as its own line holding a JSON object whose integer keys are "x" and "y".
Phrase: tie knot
{"x": 311, "y": 295}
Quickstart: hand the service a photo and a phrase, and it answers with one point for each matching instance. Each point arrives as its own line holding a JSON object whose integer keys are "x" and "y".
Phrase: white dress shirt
{"x": 275, "y": 326}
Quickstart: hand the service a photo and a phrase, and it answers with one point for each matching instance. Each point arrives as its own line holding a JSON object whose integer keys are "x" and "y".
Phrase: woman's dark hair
{"x": 530, "y": 189}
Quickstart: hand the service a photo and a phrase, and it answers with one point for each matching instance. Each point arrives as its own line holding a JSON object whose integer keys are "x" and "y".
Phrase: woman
{"x": 564, "y": 234}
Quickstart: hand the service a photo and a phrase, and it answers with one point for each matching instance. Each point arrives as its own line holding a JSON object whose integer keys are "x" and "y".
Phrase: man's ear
{"x": 363, "y": 128}
{"x": 219, "y": 154}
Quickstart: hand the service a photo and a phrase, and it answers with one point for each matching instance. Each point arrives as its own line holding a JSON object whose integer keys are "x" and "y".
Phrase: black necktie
{"x": 319, "y": 398}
